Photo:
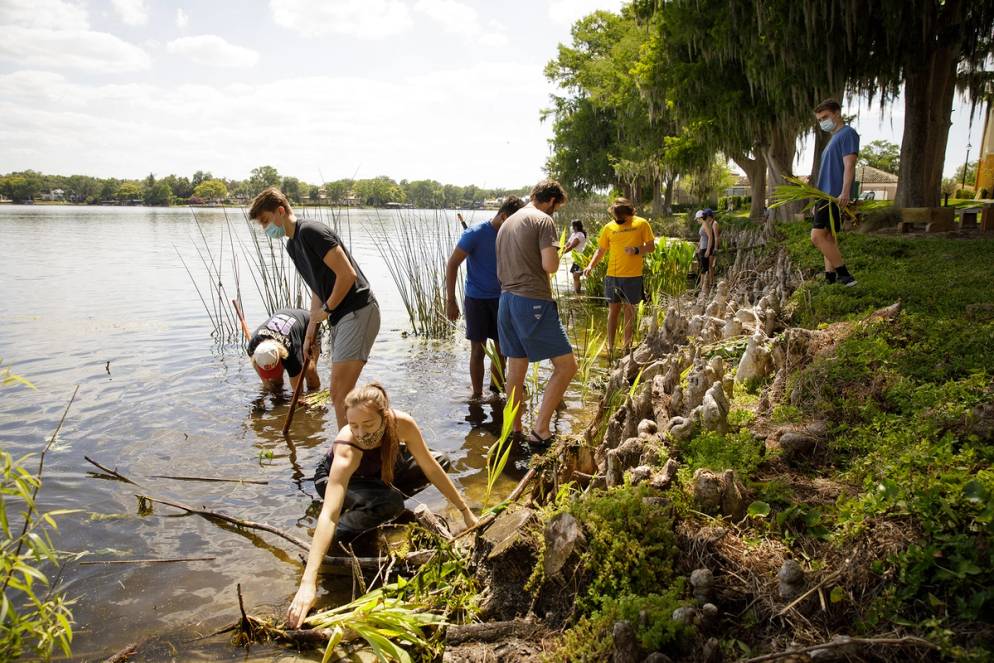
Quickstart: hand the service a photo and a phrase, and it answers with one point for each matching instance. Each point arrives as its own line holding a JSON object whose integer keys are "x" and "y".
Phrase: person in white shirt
{"x": 575, "y": 243}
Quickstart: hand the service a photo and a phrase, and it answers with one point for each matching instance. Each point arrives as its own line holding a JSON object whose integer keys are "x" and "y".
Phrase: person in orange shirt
{"x": 625, "y": 241}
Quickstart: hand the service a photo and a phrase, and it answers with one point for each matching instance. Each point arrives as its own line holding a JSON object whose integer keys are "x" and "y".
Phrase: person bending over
{"x": 376, "y": 456}
{"x": 278, "y": 345}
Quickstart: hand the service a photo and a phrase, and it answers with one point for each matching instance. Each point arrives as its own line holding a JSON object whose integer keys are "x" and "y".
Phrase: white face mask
{"x": 827, "y": 124}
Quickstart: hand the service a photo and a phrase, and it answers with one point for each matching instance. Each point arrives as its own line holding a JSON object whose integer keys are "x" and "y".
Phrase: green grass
{"x": 899, "y": 398}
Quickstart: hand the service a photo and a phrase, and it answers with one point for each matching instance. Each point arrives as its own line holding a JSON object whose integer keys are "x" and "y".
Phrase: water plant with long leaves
{"x": 390, "y": 626}
{"x": 500, "y": 451}
{"x": 799, "y": 191}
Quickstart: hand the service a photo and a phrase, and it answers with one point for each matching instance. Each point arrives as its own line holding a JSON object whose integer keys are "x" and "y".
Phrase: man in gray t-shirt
{"x": 528, "y": 319}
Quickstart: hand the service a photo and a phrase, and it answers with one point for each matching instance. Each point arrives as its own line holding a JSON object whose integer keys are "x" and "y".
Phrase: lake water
{"x": 97, "y": 297}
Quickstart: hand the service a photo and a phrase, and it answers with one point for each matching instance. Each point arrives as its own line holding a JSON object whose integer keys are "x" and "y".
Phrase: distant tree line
{"x": 205, "y": 188}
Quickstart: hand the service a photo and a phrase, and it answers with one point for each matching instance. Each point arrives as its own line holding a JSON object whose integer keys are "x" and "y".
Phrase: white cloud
{"x": 182, "y": 18}
{"x": 132, "y": 12}
{"x": 55, "y": 124}
{"x": 370, "y": 19}
{"x": 454, "y": 16}
{"x": 567, "y": 12}
{"x": 212, "y": 50}
{"x": 84, "y": 50}
{"x": 48, "y": 14}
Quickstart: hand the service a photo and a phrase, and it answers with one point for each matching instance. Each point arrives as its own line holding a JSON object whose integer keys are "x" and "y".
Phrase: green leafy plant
{"x": 500, "y": 451}
{"x": 390, "y": 626}
{"x": 34, "y": 615}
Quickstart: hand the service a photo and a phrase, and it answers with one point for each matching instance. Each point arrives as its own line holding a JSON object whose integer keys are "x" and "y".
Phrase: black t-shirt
{"x": 307, "y": 248}
{"x": 287, "y": 326}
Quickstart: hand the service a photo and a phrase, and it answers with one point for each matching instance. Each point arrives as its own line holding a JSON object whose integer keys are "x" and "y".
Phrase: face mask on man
{"x": 827, "y": 124}
{"x": 274, "y": 231}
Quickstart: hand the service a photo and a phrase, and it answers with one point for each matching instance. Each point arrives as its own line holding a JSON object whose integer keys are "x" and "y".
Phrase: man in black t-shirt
{"x": 278, "y": 345}
{"x": 339, "y": 290}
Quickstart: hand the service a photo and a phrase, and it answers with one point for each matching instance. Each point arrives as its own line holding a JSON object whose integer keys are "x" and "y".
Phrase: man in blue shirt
{"x": 478, "y": 246}
{"x": 835, "y": 177}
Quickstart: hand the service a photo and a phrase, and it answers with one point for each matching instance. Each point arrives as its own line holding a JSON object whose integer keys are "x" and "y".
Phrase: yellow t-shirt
{"x": 616, "y": 237}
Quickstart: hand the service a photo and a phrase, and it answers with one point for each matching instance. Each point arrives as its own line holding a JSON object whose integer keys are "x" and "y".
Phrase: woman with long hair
{"x": 365, "y": 473}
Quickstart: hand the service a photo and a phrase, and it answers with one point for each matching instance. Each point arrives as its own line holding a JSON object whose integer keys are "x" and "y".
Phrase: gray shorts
{"x": 352, "y": 338}
{"x": 627, "y": 289}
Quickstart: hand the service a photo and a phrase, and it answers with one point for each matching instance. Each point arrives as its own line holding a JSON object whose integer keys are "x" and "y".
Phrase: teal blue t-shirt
{"x": 479, "y": 241}
{"x": 844, "y": 142}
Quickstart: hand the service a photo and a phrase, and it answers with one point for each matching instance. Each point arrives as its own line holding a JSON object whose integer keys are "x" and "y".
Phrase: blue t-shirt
{"x": 479, "y": 241}
{"x": 844, "y": 142}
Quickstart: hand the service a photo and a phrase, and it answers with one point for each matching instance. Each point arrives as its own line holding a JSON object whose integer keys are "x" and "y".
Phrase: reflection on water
{"x": 97, "y": 297}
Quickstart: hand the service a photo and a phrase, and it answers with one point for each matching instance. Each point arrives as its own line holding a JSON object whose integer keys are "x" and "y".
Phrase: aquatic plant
{"x": 500, "y": 451}
{"x": 32, "y": 620}
{"x": 390, "y": 626}
{"x": 416, "y": 251}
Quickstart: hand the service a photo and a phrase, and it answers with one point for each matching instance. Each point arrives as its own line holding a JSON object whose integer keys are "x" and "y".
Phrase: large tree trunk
{"x": 658, "y": 204}
{"x": 668, "y": 196}
{"x": 780, "y": 159}
{"x": 928, "y": 103}
{"x": 755, "y": 170}
{"x": 821, "y": 140}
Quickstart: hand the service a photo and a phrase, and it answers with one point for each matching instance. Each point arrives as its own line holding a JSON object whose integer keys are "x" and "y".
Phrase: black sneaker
{"x": 847, "y": 280}
{"x": 830, "y": 277}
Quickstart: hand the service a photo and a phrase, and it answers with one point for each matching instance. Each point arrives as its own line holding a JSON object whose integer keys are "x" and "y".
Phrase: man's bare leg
{"x": 563, "y": 369}
{"x": 613, "y": 310}
{"x": 344, "y": 375}
{"x": 476, "y": 355}
{"x": 517, "y": 369}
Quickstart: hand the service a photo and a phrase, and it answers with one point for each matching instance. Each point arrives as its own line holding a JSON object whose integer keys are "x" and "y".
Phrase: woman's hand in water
{"x": 468, "y": 518}
{"x": 302, "y": 603}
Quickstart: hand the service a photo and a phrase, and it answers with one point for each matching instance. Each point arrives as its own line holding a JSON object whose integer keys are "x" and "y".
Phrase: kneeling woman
{"x": 364, "y": 459}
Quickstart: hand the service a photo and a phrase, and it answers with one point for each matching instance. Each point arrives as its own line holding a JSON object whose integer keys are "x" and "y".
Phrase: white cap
{"x": 267, "y": 354}
{"x": 700, "y": 214}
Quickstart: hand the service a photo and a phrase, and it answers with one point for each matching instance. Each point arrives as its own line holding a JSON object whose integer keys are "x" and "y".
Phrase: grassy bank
{"x": 893, "y": 511}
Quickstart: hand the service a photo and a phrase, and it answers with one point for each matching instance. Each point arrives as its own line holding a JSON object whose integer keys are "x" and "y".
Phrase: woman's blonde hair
{"x": 374, "y": 397}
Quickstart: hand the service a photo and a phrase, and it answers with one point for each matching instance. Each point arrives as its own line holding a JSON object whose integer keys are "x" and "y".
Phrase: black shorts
{"x": 481, "y": 319}
{"x": 702, "y": 257}
{"x": 826, "y": 213}
{"x": 575, "y": 269}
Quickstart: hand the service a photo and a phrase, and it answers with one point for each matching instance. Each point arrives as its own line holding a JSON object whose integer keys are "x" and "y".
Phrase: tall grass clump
{"x": 278, "y": 284}
{"x": 416, "y": 249}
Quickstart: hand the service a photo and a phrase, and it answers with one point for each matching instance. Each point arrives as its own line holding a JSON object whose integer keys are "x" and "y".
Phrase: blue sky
{"x": 321, "y": 89}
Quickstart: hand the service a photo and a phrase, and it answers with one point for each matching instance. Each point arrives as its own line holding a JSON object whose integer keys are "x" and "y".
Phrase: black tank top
{"x": 371, "y": 463}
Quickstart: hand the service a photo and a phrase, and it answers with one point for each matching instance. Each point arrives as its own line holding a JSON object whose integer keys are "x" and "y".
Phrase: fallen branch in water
{"x": 230, "y": 519}
{"x": 147, "y": 561}
{"x": 213, "y": 479}
{"x": 113, "y": 473}
{"x": 847, "y": 642}
{"x": 416, "y": 558}
{"x": 124, "y": 654}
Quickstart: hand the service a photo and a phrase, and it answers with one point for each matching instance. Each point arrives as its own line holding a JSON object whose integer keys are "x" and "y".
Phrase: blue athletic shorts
{"x": 531, "y": 328}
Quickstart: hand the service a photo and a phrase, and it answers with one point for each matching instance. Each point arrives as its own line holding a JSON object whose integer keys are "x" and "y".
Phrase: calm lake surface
{"x": 97, "y": 297}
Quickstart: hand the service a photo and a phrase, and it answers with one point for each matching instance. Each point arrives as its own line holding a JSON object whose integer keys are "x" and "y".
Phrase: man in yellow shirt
{"x": 626, "y": 241}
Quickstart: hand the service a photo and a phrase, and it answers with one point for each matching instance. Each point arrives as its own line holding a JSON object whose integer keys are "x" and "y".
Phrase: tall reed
{"x": 416, "y": 250}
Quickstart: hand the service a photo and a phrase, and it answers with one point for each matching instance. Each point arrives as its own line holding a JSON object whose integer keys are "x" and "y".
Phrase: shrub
{"x": 630, "y": 547}
{"x": 650, "y": 616}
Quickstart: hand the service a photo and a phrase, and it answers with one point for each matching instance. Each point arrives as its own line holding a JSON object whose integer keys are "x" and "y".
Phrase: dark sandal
{"x": 537, "y": 441}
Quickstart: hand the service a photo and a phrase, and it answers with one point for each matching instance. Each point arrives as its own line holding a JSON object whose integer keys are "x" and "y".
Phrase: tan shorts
{"x": 352, "y": 338}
